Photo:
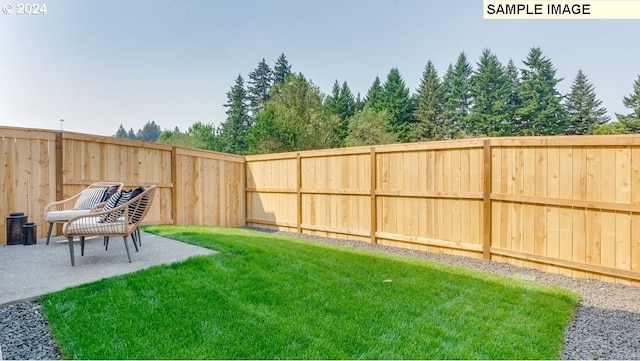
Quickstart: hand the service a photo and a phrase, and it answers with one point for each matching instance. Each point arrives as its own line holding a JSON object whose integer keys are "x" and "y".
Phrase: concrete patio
{"x": 34, "y": 270}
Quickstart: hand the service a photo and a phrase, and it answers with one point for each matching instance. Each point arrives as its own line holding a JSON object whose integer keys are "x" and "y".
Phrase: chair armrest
{"x": 63, "y": 205}
{"x": 92, "y": 223}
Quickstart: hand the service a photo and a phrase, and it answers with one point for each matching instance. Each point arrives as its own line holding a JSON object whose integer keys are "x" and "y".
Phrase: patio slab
{"x": 30, "y": 271}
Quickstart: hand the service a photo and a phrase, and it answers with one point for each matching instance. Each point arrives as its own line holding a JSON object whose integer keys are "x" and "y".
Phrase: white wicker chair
{"x": 64, "y": 210}
{"x": 122, "y": 221}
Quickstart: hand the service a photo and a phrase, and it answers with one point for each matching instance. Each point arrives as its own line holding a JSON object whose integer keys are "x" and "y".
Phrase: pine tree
{"x": 428, "y": 111}
{"x": 490, "y": 91}
{"x": 359, "y": 104}
{"x": 149, "y": 132}
{"x": 331, "y": 101}
{"x": 341, "y": 104}
{"x": 512, "y": 103}
{"x": 398, "y": 104}
{"x": 281, "y": 70}
{"x": 583, "y": 108}
{"x": 234, "y": 130}
{"x": 375, "y": 95}
{"x": 457, "y": 86}
{"x": 541, "y": 112}
{"x": 347, "y": 101}
{"x": 132, "y": 134}
{"x": 632, "y": 121}
{"x": 121, "y": 132}
{"x": 259, "y": 85}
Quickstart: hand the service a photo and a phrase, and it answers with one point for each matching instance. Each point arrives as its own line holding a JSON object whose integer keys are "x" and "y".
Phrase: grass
{"x": 269, "y": 297}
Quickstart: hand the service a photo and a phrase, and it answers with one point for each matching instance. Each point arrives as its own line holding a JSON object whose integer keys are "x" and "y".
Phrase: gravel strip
{"x": 606, "y": 325}
{"x": 24, "y": 334}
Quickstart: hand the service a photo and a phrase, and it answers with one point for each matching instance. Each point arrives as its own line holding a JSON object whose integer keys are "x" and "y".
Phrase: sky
{"x": 101, "y": 63}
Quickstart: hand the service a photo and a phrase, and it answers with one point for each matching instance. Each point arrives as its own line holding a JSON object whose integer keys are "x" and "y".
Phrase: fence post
{"x": 59, "y": 173}
{"x": 486, "y": 242}
{"x": 373, "y": 186}
{"x": 174, "y": 188}
{"x": 298, "y": 191}
{"x": 59, "y": 167}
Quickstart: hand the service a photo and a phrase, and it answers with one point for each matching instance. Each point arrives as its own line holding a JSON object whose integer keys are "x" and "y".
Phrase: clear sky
{"x": 101, "y": 63}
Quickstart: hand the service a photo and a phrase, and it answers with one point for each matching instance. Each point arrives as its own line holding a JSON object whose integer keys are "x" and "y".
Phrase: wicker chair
{"x": 64, "y": 210}
{"x": 122, "y": 220}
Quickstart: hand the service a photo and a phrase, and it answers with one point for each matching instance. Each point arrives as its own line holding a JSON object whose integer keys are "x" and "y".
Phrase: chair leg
{"x": 82, "y": 246}
{"x": 71, "y": 251}
{"x": 134, "y": 239}
{"x": 139, "y": 235}
{"x": 49, "y": 232}
{"x": 106, "y": 243}
{"x": 126, "y": 246}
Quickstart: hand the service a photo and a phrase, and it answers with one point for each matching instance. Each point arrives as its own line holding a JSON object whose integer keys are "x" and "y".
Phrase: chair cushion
{"x": 90, "y": 197}
{"x": 94, "y": 226}
{"x": 63, "y": 216}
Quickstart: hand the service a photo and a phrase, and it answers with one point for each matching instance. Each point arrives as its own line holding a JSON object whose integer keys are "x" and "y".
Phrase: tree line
{"x": 277, "y": 110}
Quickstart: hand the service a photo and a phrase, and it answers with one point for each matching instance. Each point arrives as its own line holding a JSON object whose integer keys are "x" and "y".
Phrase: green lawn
{"x": 269, "y": 297}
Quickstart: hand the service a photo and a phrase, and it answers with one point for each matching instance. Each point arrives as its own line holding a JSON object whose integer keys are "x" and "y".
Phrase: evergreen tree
{"x": 490, "y": 91}
{"x": 121, "y": 132}
{"x": 448, "y": 127}
{"x": 375, "y": 96}
{"x": 428, "y": 111}
{"x": 513, "y": 103}
{"x": 259, "y": 85}
{"x": 341, "y": 104}
{"x": 457, "y": 84}
{"x": 583, "y": 108}
{"x": 541, "y": 112}
{"x": 234, "y": 130}
{"x": 331, "y": 101}
{"x": 359, "y": 104}
{"x": 281, "y": 70}
{"x": 347, "y": 102}
{"x": 631, "y": 122}
{"x": 149, "y": 132}
{"x": 131, "y": 134}
{"x": 398, "y": 104}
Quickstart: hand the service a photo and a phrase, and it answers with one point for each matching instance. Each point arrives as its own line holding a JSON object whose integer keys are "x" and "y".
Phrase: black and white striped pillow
{"x": 116, "y": 200}
{"x": 90, "y": 197}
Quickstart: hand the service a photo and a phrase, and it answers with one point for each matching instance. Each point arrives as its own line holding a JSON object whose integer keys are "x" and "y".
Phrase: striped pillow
{"x": 90, "y": 197}
{"x": 116, "y": 200}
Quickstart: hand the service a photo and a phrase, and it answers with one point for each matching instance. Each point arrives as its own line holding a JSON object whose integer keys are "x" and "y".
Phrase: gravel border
{"x": 606, "y": 325}
{"x": 25, "y": 334}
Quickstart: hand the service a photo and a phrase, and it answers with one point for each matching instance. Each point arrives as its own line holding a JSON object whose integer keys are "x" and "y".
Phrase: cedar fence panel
{"x": 27, "y": 175}
{"x": 568, "y": 205}
{"x": 195, "y": 187}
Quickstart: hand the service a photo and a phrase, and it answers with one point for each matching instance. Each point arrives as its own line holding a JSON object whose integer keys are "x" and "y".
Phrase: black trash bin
{"x": 29, "y": 234}
{"x": 14, "y": 224}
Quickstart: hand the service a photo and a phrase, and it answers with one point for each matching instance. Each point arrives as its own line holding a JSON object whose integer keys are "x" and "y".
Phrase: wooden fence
{"x": 196, "y": 187}
{"x": 568, "y": 205}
